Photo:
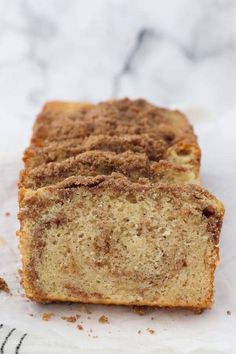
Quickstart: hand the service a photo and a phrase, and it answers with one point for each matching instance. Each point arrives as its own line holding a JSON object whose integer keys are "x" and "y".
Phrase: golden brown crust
{"x": 97, "y": 300}
{"x": 57, "y": 111}
{"x": 59, "y": 151}
{"x": 93, "y": 163}
{"x": 115, "y": 118}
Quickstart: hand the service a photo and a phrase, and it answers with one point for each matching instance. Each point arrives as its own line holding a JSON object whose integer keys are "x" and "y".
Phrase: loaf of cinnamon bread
{"x": 111, "y": 210}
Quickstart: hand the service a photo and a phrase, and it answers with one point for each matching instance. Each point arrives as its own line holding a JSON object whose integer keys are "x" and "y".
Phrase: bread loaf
{"x": 111, "y": 210}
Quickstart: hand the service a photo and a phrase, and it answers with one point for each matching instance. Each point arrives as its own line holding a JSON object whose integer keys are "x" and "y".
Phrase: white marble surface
{"x": 172, "y": 52}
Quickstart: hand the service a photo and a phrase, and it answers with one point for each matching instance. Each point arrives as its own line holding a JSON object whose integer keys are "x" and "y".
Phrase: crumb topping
{"x": 150, "y": 330}
{"x": 46, "y": 316}
{"x": 71, "y": 319}
{"x": 103, "y": 319}
{"x": 3, "y": 286}
{"x": 139, "y": 310}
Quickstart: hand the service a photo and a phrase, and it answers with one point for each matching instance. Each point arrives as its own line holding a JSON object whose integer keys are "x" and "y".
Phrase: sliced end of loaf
{"x": 106, "y": 240}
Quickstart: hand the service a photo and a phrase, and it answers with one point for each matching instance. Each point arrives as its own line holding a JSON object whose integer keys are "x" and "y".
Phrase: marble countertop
{"x": 180, "y": 52}
{"x": 170, "y": 52}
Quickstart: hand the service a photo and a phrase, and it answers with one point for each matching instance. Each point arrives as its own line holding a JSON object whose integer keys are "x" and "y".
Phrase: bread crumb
{"x": 86, "y": 310}
{"x": 151, "y": 331}
{"x": 7, "y": 213}
{"x": 198, "y": 311}
{"x": 228, "y": 312}
{"x": 103, "y": 319}
{"x": 46, "y": 316}
{"x": 71, "y": 319}
{"x": 139, "y": 310}
{"x": 77, "y": 316}
{"x": 80, "y": 327}
{"x": 4, "y": 286}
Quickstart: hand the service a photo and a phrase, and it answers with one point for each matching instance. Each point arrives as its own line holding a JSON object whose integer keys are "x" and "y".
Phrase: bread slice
{"x": 107, "y": 240}
{"x": 59, "y": 151}
{"x": 93, "y": 163}
{"x": 60, "y": 120}
{"x": 181, "y": 153}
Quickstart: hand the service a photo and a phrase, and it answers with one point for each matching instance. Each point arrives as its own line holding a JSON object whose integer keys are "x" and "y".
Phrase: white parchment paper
{"x": 175, "y": 331}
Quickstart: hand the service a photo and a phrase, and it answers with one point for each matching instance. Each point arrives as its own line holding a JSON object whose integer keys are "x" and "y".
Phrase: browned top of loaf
{"x": 57, "y": 151}
{"x": 61, "y": 120}
{"x": 93, "y": 163}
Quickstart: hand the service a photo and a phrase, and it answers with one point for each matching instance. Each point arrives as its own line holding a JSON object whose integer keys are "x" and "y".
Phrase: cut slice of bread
{"x": 58, "y": 151}
{"x": 93, "y": 163}
{"x": 59, "y": 121}
{"x": 107, "y": 240}
{"x": 181, "y": 153}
